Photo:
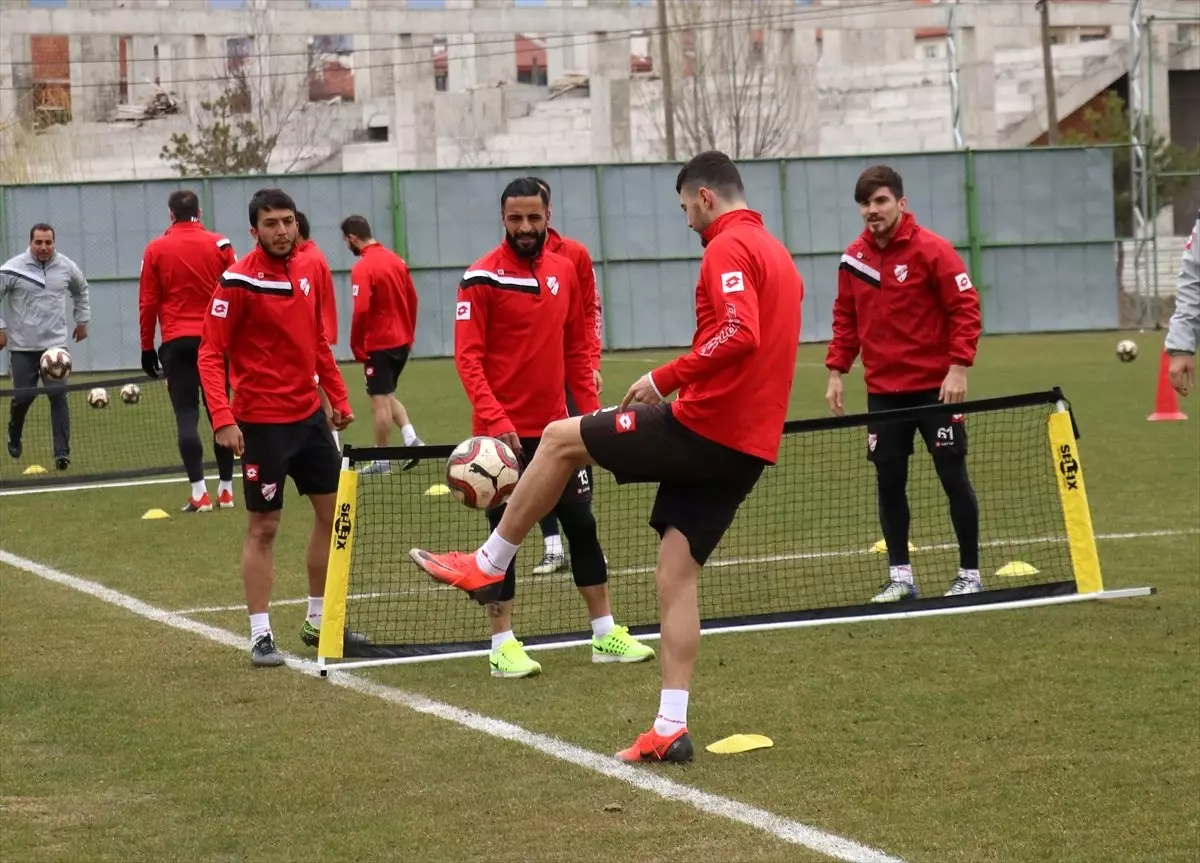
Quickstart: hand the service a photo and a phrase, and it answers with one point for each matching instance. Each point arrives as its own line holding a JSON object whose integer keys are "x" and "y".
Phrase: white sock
{"x": 495, "y": 556}
{"x": 672, "y": 711}
{"x": 337, "y": 440}
{"x": 260, "y": 625}
{"x": 316, "y": 606}
{"x": 553, "y": 544}
{"x": 198, "y": 489}
{"x": 902, "y": 574}
{"x": 972, "y": 574}
{"x": 225, "y": 485}
{"x": 501, "y": 637}
{"x": 410, "y": 434}
{"x": 602, "y": 626}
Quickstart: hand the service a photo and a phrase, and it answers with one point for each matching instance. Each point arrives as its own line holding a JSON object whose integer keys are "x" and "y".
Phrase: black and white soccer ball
{"x": 1127, "y": 350}
{"x": 56, "y": 364}
{"x": 98, "y": 397}
{"x": 131, "y": 394}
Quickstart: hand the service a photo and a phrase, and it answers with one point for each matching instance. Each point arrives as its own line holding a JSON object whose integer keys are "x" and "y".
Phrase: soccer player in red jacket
{"x": 554, "y": 558}
{"x": 180, "y": 269}
{"x": 308, "y": 246}
{"x": 382, "y": 330}
{"x": 266, "y": 318}
{"x": 519, "y": 346}
{"x": 906, "y": 302}
{"x": 706, "y": 450}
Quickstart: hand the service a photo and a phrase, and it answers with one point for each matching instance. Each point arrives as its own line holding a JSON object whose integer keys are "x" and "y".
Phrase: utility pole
{"x": 1048, "y": 74}
{"x": 664, "y": 51}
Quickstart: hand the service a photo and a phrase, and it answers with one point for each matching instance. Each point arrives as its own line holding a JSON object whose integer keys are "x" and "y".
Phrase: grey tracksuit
{"x": 34, "y": 295}
{"x": 1184, "y": 329}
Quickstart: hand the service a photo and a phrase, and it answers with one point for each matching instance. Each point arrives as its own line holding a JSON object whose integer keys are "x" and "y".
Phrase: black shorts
{"x": 303, "y": 450}
{"x": 383, "y": 369}
{"x": 182, "y": 371}
{"x": 945, "y": 433}
{"x": 701, "y": 483}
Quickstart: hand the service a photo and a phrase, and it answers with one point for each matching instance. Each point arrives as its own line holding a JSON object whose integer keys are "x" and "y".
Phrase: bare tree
{"x": 736, "y": 84}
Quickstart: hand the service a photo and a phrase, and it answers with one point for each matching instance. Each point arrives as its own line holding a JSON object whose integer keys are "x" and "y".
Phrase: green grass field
{"x": 1057, "y": 734}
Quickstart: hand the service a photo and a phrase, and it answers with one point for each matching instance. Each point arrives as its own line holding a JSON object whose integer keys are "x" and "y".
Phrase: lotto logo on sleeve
{"x": 963, "y": 281}
{"x": 626, "y": 421}
{"x": 354, "y": 290}
{"x": 220, "y": 308}
{"x": 462, "y": 312}
{"x": 733, "y": 282}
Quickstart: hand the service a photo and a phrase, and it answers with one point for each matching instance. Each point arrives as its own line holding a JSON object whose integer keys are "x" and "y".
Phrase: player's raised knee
{"x": 564, "y": 440}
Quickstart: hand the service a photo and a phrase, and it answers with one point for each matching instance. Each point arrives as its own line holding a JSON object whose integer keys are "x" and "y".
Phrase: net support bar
{"x": 1124, "y": 593}
{"x": 1077, "y": 515}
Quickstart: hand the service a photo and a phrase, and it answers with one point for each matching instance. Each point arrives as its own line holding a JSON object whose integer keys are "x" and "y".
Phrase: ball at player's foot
{"x": 1127, "y": 350}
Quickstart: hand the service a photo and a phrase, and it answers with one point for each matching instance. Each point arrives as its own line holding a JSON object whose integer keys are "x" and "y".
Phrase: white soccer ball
{"x": 98, "y": 397}
{"x": 482, "y": 472}
{"x": 56, "y": 363}
{"x": 131, "y": 394}
{"x": 1127, "y": 350}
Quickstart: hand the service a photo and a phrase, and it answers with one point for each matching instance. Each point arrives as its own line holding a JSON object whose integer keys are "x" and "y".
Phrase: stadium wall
{"x": 1034, "y": 225}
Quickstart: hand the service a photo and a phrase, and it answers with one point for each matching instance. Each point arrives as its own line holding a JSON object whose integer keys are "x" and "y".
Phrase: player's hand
{"x": 80, "y": 332}
{"x": 3, "y": 339}
{"x": 954, "y": 387}
{"x": 598, "y": 380}
{"x": 513, "y": 441}
{"x": 341, "y": 420}
{"x": 230, "y": 437}
{"x": 834, "y": 394}
{"x": 642, "y": 392}
{"x": 150, "y": 364}
{"x": 1181, "y": 372}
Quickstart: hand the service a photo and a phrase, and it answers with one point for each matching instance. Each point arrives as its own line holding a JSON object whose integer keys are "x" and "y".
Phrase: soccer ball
{"x": 1127, "y": 350}
{"x": 56, "y": 364}
{"x": 482, "y": 472}
{"x": 131, "y": 394}
{"x": 98, "y": 398}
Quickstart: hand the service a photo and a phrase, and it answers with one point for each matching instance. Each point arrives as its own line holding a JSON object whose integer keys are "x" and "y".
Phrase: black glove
{"x": 150, "y": 364}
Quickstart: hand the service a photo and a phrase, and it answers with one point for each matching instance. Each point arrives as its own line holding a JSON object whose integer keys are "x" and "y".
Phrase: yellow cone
{"x": 736, "y": 743}
{"x": 438, "y": 489}
{"x": 1015, "y": 569}
{"x": 33, "y": 470}
{"x": 152, "y": 514}
{"x": 881, "y": 547}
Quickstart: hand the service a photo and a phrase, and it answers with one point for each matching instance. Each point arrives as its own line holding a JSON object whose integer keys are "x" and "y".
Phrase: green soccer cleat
{"x": 511, "y": 661}
{"x": 311, "y": 635}
{"x": 619, "y": 646}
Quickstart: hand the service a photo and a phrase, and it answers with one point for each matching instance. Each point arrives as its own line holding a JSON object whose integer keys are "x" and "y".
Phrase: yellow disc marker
{"x": 1015, "y": 569}
{"x": 438, "y": 489}
{"x": 152, "y": 514}
{"x": 881, "y": 547}
{"x": 33, "y": 470}
{"x": 736, "y": 743}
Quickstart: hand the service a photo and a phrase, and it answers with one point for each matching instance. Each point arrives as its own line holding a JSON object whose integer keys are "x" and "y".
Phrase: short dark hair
{"x": 269, "y": 199}
{"x": 41, "y": 226}
{"x": 184, "y": 205}
{"x": 713, "y": 170}
{"x": 524, "y": 187}
{"x": 875, "y": 178}
{"x": 545, "y": 186}
{"x": 302, "y": 225}
{"x": 357, "y": 226}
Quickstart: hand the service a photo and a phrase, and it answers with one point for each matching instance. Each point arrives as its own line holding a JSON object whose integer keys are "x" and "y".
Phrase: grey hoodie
{"x": 1184, "y": 329}
{"x": 35, "y": 298}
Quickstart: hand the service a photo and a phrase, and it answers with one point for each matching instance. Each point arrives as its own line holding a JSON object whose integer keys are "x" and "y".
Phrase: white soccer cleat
{"x": 964, "y": 585}
{"x": 551, "y": 563}
{"x": 895, "y": 591}
{"x": 376, "y": 467}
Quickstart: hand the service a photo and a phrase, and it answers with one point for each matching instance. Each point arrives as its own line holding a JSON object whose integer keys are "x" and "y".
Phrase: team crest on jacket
{"x": 901, "y": 272}
{"x": 304, "y": 286}
{"x": 552, "y": 284}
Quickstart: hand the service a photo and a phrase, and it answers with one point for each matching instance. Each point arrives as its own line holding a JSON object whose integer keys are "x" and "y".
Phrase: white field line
{"x": 717, "y": 564}
{"x": 124, "y": 483}
{"x": 784, "y": 829}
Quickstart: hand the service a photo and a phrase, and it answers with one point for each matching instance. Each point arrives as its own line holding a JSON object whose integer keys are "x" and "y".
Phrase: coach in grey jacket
{"x": 33, "y": 318}
{"x": 1183, "y": 332}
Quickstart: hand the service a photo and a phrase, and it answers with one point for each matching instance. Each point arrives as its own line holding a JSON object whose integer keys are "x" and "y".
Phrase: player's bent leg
{"x": 891, "y": 476}
{"x": 60, "y": 422}
{"x": 964, "y": 515}
{"x": 25, "y": 376}
{"x": 257, "y": 579}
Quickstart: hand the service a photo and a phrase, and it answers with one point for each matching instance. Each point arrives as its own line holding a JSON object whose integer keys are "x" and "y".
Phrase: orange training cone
{"x": 1166, "y": 403}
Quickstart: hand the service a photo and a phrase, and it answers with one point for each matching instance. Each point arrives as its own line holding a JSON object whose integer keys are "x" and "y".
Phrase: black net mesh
{"x": 803, "y": 545}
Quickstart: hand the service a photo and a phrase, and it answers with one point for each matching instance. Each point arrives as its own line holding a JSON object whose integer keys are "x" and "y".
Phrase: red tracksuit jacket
{"x": 385, "y": 303}
{"x": 735, "y": 385}
{"x": 324, "y": 287}
{"x": 520, "y": 342}
{"x": 910, "y": 308}
{"x": 265, "y": 316}
{"x": 180, "y": 270}
{"x": 585, "y": 273}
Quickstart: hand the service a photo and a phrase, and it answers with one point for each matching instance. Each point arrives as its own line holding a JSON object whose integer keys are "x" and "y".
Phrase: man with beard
{"x": 906, "y": 302}
{"x": 520, "y": 344}
{"x": 382, "y": 328}
{"x": 266, "y": 318}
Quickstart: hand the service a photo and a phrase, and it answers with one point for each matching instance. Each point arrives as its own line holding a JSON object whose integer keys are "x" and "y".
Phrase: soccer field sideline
{"x": 643, "y": 778}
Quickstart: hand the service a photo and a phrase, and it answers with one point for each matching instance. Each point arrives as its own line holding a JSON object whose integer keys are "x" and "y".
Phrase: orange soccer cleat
{"x": 652, "y": 746}
{"x": 459, "y": 569}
